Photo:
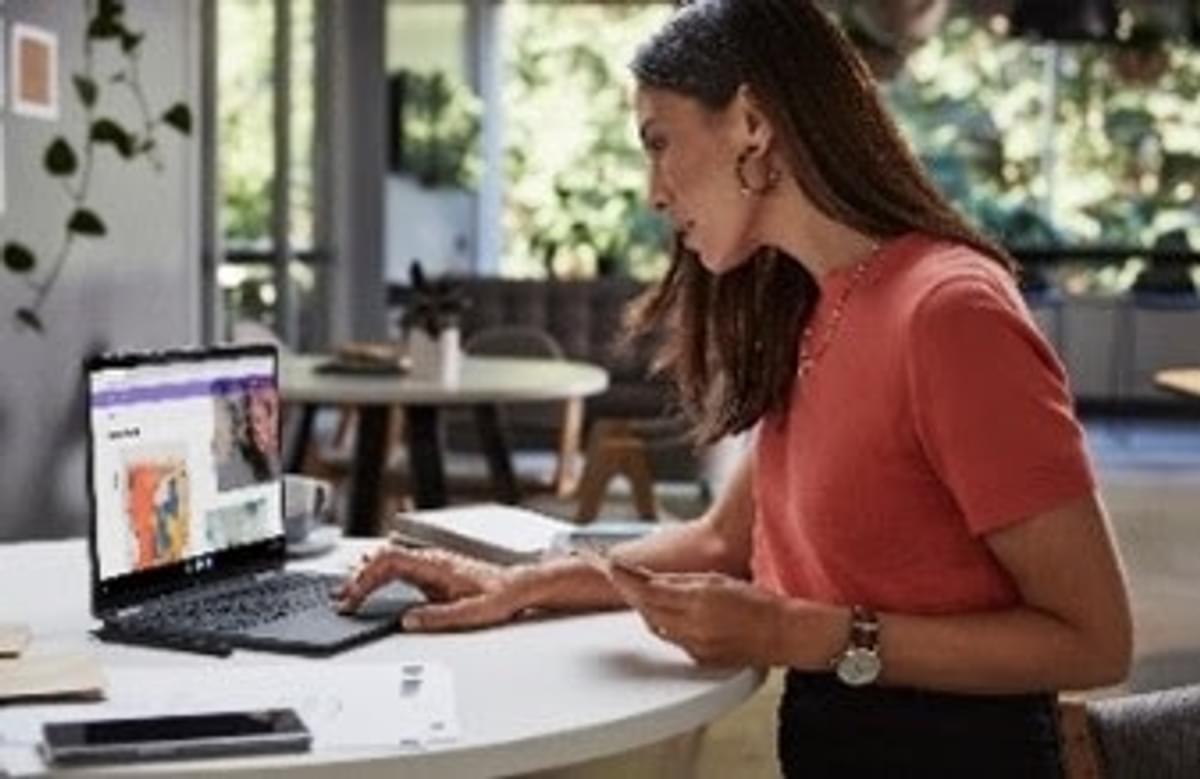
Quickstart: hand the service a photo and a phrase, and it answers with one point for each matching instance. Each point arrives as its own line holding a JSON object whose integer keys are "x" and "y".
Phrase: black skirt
{"x": 827, "y": 729}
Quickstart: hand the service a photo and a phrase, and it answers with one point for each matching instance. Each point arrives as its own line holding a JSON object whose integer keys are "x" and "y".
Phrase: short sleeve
{"x": 992, "y": 405}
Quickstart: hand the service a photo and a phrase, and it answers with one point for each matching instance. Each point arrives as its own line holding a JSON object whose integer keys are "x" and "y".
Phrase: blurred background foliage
{"x": 439, "y": 119}
{"x": 244, "y": 120}
{"x": 1119, "y": 165}
{"x": 575, "y": 203}
{"x": 1061, "y": 145}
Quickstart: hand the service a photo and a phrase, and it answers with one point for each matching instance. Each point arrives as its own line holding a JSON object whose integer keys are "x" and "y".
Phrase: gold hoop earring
{"x": 774, "y": 176}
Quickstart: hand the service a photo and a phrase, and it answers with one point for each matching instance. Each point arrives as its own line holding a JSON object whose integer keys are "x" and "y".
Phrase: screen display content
{"x": 185, "y": 460}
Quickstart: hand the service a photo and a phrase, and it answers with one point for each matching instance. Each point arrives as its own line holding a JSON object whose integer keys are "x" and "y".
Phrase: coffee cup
{"x": 306, "y": 504}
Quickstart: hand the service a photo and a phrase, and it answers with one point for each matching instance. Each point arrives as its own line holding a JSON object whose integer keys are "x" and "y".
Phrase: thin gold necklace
{"x": 810, "y": 355}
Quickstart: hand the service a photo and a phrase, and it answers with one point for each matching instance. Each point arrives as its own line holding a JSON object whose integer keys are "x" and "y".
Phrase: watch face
{"x": 859, "y": 667}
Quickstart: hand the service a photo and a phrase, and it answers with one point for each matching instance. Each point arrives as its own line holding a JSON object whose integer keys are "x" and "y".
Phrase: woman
{"x": 916, "y": 535}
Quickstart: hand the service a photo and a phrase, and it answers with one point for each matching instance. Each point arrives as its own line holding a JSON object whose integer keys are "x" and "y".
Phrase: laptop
{"x": 187, "y": 537}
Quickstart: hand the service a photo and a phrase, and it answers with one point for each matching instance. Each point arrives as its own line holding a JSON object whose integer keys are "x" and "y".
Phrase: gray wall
{"x": 139, "y": 286}
{"x": 434, "y": 226}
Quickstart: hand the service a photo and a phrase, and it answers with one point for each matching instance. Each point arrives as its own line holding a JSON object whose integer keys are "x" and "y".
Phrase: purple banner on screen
{"x": 157, "y": 393}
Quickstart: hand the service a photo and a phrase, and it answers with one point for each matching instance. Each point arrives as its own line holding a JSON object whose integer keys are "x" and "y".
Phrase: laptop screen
{"x": 185, "y": 461}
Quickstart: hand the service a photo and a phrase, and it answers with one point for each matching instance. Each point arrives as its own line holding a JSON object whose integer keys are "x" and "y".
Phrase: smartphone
{"x": 174, "y": 737}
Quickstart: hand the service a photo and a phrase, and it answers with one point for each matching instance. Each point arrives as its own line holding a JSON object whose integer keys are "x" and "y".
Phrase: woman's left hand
{"x": 716, "y": 619}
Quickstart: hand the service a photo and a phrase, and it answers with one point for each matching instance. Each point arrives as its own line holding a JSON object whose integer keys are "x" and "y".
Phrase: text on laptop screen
{"x": 185, "y": 458}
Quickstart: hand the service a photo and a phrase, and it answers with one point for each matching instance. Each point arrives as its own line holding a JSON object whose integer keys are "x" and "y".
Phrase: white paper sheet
{"x": 393, "y": 707}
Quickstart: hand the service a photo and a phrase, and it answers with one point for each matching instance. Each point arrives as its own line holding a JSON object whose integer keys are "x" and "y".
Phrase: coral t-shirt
{"x": 934, "y": 414}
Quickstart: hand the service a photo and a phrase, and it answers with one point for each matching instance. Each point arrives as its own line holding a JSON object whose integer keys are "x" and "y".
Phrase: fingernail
{"x": 410, "y": 622}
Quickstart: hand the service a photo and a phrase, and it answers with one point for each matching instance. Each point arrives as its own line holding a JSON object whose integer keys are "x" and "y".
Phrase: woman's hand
{"x": 716, "y": 619}
{"x": 466, "y": 593}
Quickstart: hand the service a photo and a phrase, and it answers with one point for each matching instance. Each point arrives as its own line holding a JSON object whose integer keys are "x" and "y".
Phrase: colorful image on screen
{"x": 245, "y": 443}
{"x": 242, "y": 523}
{"x": 157, "y": 505}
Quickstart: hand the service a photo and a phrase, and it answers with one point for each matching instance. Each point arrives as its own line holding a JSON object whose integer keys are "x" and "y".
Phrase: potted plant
{"x": 430, "y": 327}
{"x": 1143, "y": 59}
{"x": 436, "y": 125}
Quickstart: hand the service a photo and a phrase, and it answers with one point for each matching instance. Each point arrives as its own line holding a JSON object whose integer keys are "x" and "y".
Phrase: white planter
{"x": 437, "y": 360}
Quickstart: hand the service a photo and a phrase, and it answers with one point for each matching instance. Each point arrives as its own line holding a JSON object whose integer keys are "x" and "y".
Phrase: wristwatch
{"x": 860, "y": 664}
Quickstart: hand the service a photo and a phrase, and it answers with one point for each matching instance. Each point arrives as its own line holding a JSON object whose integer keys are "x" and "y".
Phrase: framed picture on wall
{"x": 3, "y": 183}
{"x": 3, "y": 59}
{"x": 33, "y": 59}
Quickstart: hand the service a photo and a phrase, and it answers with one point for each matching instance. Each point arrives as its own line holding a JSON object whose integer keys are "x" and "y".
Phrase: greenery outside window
{"x": 575, "y": 203}
{"x": 247, "y": 79}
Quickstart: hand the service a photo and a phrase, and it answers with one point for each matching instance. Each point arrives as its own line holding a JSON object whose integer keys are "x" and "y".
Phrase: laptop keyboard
{"x": 235, "y": 606}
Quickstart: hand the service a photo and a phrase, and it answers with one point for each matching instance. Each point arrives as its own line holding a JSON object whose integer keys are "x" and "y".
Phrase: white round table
{"x": 529, "y": 696}
{"x": 1184, "y": 382}
{"x": 485, "y": 382}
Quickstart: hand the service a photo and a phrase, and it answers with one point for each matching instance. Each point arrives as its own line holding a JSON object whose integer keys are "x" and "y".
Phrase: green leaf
{"x": 60, "y": 158}
{"x": 104, "y": 28}
{"x": 179, "y": 116}
{"x": 87, "y": 89}
{"x": 29, "y": 318}
{"x": 130, "y": 40}
{"x": 18, "y": 259}
{"x": 108, "y": 131}
{"x": 111, "y": 8}
{"x": 86, "y": 222}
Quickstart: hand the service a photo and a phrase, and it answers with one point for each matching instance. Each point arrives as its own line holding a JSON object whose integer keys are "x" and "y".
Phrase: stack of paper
{"x": 26, "y": 676}
{"x": 489, "y": 531}
{"x": 13, "y": 639}
{"x": 51, "y": 676}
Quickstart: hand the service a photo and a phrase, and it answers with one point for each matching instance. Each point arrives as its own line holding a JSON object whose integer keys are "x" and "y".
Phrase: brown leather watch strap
{"x": 864, "y": 628}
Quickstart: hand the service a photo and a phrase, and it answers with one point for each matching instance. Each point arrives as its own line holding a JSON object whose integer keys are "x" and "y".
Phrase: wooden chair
{"x": 629, "y": 448}
{"x": 521, "y": 341}
{"x": 615, "y": 449}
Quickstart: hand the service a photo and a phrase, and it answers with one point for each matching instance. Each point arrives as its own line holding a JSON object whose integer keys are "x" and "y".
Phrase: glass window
{"x": 427, "y": 36}
{"x": 246, "y": 145}
{"x": 303, "y": 116}
{"x": 575, "y": 203}
{"x": 1070, "y": 144}
{"x": 434, "y": 119}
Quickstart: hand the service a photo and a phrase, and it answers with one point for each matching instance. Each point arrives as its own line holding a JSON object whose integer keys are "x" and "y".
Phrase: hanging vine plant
{"x": 71, "y": 163}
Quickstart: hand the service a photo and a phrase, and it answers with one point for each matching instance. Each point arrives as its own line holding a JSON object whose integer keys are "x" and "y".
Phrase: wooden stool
{"x": 615, "y": 449}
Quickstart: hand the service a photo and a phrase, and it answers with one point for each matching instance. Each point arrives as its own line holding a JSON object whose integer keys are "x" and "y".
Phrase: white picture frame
{"x": 34, "y": 67}
{"x": 3, "y": 59}
{"x": 3, "y": 180}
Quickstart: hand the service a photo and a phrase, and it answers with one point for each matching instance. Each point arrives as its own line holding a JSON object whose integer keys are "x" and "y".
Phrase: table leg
{"x": 370, "y": 451}
{"x": 296, "y": 439}
{"x": 424, "y": 438}
{"x": 496, "y": 449}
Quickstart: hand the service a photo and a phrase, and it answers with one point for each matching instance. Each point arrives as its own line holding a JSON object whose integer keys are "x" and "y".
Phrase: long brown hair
{"x": 730, "y": 341}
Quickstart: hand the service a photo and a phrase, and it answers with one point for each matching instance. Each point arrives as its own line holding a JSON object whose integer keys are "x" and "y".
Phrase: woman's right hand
{"x": 464, "y": 593}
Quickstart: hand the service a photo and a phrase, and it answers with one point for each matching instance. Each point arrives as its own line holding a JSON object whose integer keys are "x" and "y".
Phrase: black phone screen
{"x": 180, "y": 728}
{"x": 175, "y": 736}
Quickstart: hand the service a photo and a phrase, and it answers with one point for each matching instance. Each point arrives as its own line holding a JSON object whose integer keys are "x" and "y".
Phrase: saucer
{"x": 320, "y": 540}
